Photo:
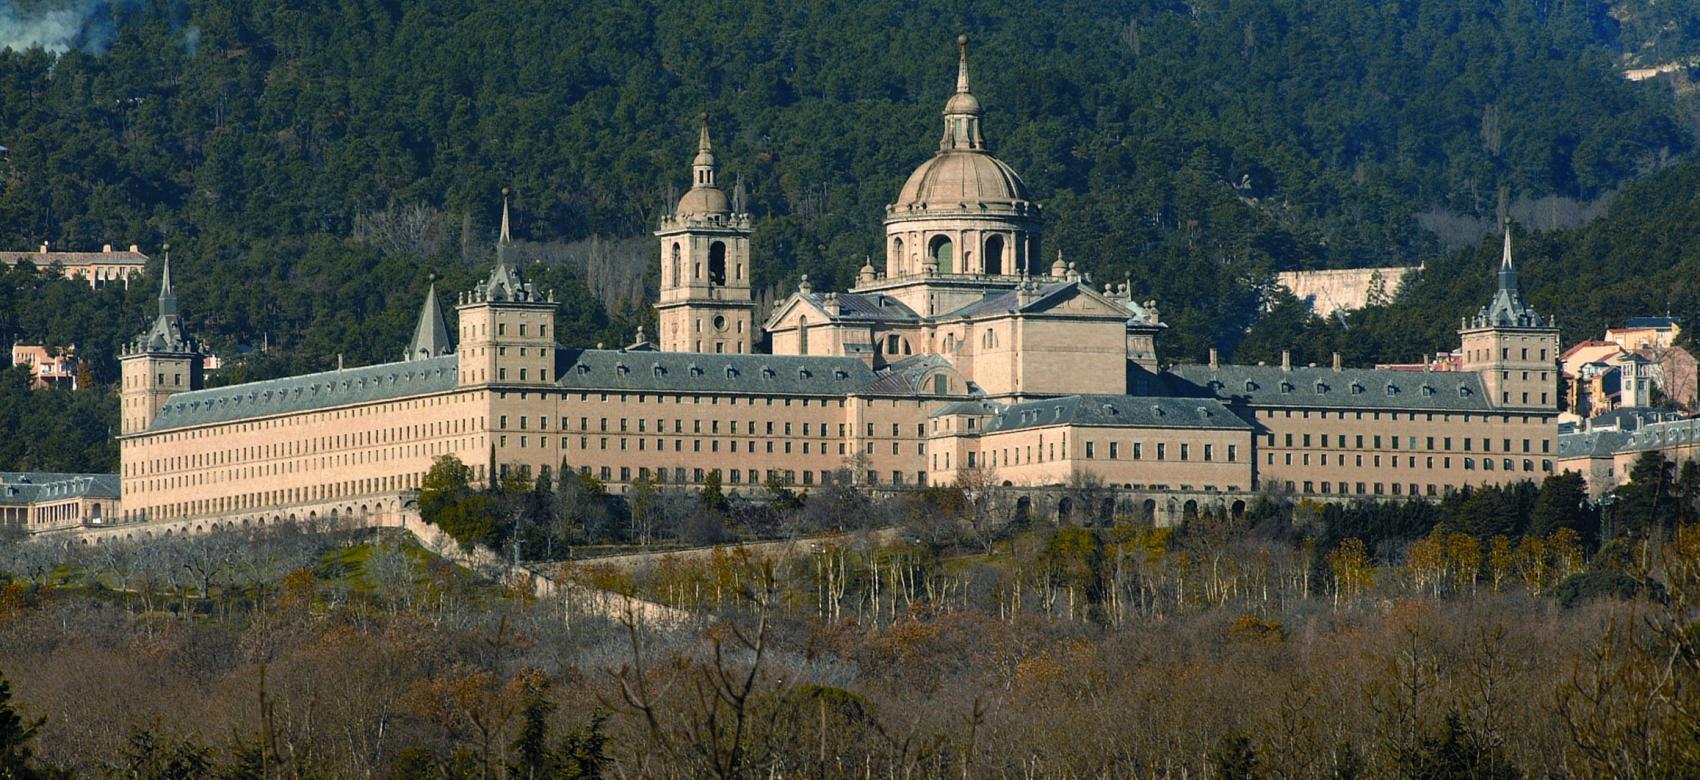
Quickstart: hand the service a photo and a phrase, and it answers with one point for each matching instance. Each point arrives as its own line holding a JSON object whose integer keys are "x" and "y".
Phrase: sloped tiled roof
{"x": 19, "y": 488}
{"x": 1653, "y": 436}
{"x": 1122, "y": 411}
{"x": 1326, "y": 388}
{"x": 696, "y": 372}
{"x": 380, "y": 382}
{"x": 872, "y": 307}
{"x": 1590, "y": 444}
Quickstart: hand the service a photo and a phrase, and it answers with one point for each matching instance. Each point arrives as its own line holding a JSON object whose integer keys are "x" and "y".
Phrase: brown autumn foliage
{"x": 1172, "y": 661}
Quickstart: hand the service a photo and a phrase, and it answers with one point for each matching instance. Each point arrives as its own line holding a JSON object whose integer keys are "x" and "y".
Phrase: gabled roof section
{"x": 1034, "y": 297}
{"x": 868, "y": 308}
{"x": 1325, "y": 388}
{"x": 310, "y": 392}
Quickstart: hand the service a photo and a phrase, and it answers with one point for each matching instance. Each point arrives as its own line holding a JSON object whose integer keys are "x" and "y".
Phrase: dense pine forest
{"x": 312, "y": 163}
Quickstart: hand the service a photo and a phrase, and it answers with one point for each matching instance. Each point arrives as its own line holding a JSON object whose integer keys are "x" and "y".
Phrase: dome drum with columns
{"x": 964, "y": 212}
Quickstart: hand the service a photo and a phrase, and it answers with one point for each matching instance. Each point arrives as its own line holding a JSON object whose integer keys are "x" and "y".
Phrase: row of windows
{"x": 680, "y": 475}
{"x": 1375, "y": 442}
{"x": 1466, "y": 418}
{"x": 1410, "y": 461}
{"x": 1378, "y": 488}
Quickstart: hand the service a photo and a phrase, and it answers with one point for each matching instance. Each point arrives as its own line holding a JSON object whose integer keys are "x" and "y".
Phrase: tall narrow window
{"x": 994, "y": 255}
{"x": 941, "y": 252}
{"x": 802, "y": 335}
{"x": 717, "y": 263}
{"x": 677, "y": 279}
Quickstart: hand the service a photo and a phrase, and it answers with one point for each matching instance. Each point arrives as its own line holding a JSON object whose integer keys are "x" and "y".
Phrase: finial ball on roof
{"x": 504, "y": 192}
{"x": 962, "y": 40}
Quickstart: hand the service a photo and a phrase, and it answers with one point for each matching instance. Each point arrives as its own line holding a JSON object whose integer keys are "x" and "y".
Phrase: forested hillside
{"x": 311, "y": 163}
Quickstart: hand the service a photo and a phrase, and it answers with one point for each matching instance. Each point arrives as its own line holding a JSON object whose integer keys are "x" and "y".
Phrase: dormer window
{"x": 1250, "y": 386}
{"x": 1357, "y": 389}
{"x": 1427, "y": 391}
{"x": 1321, "y": 388}
{"x": 1392, "y": 389}
{"x": 1286, "y": 387}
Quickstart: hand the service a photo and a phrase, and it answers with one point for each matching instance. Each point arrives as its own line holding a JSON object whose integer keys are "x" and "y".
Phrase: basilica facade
{"x": 965, "y": 354}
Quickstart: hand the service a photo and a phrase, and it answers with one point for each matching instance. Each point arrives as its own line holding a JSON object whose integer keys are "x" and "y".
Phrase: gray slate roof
{"x": 1590, "y": 444}
{"x": 1654, "y": 436}
{"x": 1360, "y": 388}
{"x": 380, "y": 382}
{"x": 19, "y": 488}
{"x": 1118, "y": 411}
{"x": 697, "y": 372}
{"x": 870, "y": 307}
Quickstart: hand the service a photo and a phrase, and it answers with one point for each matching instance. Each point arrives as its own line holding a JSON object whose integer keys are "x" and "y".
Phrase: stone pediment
{"x": 1077, "y": 300}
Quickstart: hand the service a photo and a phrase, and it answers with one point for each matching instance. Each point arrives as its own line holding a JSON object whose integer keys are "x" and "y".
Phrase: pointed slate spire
{"x": 1507, "y": 306}
{"x": 167, "y": 297}
{"x": 1507, "y": 271}
{"x": 431, "y": 335}
{"x": 506, "y": 283}
{"x": 506, "y": 237}
{"x": 166, "y": 332}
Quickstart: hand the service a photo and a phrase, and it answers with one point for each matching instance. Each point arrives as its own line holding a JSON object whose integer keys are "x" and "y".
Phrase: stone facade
{"x": 962, "y": 360}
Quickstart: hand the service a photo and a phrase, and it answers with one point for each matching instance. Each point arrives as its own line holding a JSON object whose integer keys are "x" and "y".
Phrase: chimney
{"x": 1212, "y": 358}
{"x": 44, "y": 247}
{"x": 1286, "y": 360}
{"x": 1336, "y": 361}
{"x": 135, "y": 249}
{"x": 106, "y": 249}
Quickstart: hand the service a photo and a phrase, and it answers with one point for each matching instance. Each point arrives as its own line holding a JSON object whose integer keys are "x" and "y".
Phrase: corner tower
{"x": 505, "y": 326}
{"x": 1513, "y": 347}
{"x": 705, "y": 303}
{"x": 159, "y": 363}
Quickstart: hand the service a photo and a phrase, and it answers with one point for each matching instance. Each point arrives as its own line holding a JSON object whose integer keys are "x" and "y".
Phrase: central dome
{"x": 959, "y": 179}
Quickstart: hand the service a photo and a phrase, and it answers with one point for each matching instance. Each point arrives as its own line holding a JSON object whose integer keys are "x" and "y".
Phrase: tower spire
{"x": 506, "y": 238}
{"x": 431, "y": 335}
{"x": 703, "y": 167}
{"x": 962, "y": 112}
{"x": 167, "y": 297}
{"x": 962, "y": 64}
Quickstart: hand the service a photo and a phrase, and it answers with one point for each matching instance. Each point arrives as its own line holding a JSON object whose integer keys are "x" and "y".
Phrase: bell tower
{"x": 705, "y": 303}
{"x": 1513, "y": 347}
{"x": 157, "y": 364}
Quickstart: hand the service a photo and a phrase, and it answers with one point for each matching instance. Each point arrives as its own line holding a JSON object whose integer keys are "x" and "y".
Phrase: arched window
{"x": 897, "y": 254}
{"x": 717, "y": 263}
{"x": 677, "y": 279}
{"x": 940, "y": 251}
{"x": 994, "y": 255}
{"x": 802, "y": 335}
